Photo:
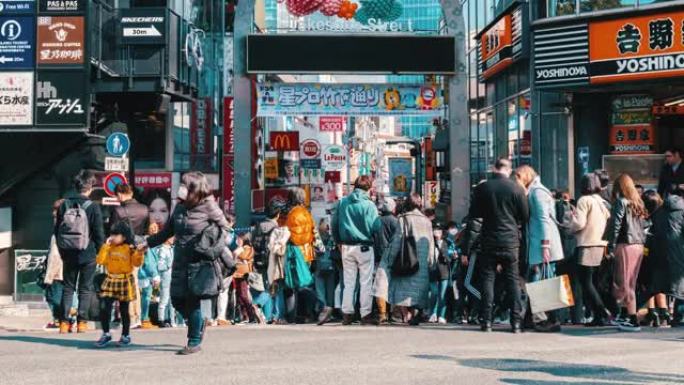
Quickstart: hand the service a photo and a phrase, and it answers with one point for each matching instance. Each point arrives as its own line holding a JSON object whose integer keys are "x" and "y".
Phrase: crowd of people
{"x": 376, "y": 260}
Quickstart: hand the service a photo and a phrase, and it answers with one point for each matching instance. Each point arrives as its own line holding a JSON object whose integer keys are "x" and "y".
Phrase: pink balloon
{"x": 331, "y": 7}
{"x": 303, "y": 7}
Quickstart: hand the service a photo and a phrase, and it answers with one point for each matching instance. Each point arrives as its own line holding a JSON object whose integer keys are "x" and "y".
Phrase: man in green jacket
{"x": 353, "y": 225}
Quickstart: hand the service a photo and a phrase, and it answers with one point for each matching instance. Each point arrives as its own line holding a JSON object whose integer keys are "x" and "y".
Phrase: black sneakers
{"x": 188, "y": 350}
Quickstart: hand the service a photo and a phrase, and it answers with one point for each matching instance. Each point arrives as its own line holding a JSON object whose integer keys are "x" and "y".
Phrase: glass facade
{"x": 571, "y": 7}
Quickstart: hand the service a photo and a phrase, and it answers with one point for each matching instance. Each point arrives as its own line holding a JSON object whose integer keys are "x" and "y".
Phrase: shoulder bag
{"x": 406, "y": 263}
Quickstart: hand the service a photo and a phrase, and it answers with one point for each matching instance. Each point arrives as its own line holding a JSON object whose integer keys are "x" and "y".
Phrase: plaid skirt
{"x": 121, "y": 287}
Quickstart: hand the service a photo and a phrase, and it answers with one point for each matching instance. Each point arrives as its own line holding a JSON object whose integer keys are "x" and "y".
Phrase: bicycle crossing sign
{"x": 143, "y": 26}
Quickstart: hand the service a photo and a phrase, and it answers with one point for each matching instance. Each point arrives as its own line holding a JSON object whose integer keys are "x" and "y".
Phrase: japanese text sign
{"x": 636, "y": 48}
{"x": 61, "y": 99}
{"x": 200, "y": 133}
{"x": 153, "y": 180}
{"x": 281, "y": 99}
{"x": 60, "y": 40}
{"x": 632, "y": 139}
{"x": 16, "y": 98}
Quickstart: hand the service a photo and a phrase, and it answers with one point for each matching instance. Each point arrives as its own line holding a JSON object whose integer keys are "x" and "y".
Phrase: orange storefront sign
{"x": 496, "y": 45}
{"x": 632, "y": 139}
{"x": 637, "y": 48}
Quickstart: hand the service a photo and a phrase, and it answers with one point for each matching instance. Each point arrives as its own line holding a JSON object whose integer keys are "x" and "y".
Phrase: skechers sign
{"x": 610, "y": 51}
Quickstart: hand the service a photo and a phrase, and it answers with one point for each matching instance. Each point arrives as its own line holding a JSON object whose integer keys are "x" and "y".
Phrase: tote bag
{"x": 550, "y": 294}
{"x": 297, "y": 272}
{"x": 406, "y": 262}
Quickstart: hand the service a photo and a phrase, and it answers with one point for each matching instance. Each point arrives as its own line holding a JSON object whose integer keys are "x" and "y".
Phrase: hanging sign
{"x": 633, "y": 139}
{"x": 17, "y": 7}
{"x": 281, "y": 99}
{"x": 401, "y": 176}
{"x": 310, "y": 154}
{"x": 284, "y": 140}
{"x": 677, "y": 109}
{"x": 61, "y": 99}
{"x": 200, "y": 133}
{"x": 228, "y": 122}
{"x": 17, "y": 35}
{"x": 143, "y": 26}
{"x": 334, "y": 158}
{"x": 62, "y": 6}
{"x": 61, "y": 40}
{"x": 16, "y": 98}
{"x": 111, "y": 181}
{"x": 430, "y": 194}
{"x": 331, "y": 123}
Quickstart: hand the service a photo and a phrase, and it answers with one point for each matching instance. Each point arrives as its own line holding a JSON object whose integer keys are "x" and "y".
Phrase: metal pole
{"x": 242, "y": 91}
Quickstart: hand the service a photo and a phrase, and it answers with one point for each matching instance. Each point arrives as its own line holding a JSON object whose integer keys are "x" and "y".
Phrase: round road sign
{"x": 118, "y": 144}
{"x": 111, "y": 181}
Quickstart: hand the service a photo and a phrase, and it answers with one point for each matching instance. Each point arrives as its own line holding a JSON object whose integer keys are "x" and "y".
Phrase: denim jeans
{"x": 166, "y": 310}
{"x": 279, "y": 306}
{"x": 191, "y": 309}
{"x": 265, "y": 302}
{"x": 325, "y": 288}
{"x": 53, "y": 297}
{"x": 439, "y": 290}
{"x": 82, "y": 275}
{"x": 145, "y": 299}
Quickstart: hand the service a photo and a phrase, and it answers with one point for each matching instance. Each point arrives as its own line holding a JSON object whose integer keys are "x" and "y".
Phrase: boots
{"x": 665, "y": 317}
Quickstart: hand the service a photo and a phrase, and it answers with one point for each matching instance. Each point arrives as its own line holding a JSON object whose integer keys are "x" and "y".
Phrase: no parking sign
{"x": 111, "y": 181}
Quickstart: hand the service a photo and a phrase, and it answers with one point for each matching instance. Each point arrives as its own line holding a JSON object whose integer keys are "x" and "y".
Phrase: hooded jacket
{"x": 355, "y": 220}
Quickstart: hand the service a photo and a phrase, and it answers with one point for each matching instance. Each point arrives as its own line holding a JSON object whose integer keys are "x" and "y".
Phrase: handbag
{"x": 297, "y": 272}
{"x": 205, "y": 279}
{"x": 406, "y": 263}
{"x": 256, "y": 281}
{"x": 551, "y": 293}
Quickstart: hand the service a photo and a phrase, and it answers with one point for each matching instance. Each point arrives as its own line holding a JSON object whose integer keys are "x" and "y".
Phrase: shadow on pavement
{"x": 566, "y": 371}
{"x": 88, "y": 345}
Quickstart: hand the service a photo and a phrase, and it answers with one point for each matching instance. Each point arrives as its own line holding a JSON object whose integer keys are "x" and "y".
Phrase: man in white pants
{"x": 353, "y": 226}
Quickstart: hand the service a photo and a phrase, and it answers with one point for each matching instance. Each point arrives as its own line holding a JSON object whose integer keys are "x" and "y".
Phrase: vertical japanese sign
{"x": 16, "y": 98}
{"x": 61, "y": 40}
{"x": 430, "y": 194}
{"x": 401, "y": 176}
{"x": 637, "y": 48}
{"x": 228, "y": 155}
{"x": 200, "y": 134}
{"x": 17, "y": 42}
{"x": 61, "y": 98}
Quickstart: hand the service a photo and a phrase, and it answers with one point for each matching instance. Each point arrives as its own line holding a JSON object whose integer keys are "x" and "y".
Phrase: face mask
{"x": 453, "y": 232}
{"x": 182, "y": 193}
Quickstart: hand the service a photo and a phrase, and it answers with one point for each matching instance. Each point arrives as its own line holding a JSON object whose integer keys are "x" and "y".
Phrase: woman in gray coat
{"x": 544, "y": 246}
{"x": 412, "y": 291}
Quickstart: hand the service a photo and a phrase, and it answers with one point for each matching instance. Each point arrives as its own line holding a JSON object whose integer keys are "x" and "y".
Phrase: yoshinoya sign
{"x": 561, "y": 55}
{"x": 143, "y": 26}
{"x": 17, "y": 42}
{"x": 61, "y": 40}
{"x": 334, "y": 158}
{"x": 502, "y": 43}
{"x": 61, "y": 99}
{"x": 281, "y": 99}
{"x": 17, "y": 7}
{"x": 16, "y": 99}
{"x": 62, "y": 6}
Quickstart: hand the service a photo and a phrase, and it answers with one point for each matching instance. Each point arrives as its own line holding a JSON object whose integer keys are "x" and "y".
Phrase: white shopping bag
{"x": 550, "y": 294}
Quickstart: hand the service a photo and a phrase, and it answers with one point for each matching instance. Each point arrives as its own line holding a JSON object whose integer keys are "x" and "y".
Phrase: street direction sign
{"x": 118, "y": 144}
{"x": 143, "y": 26}
{"x": 111, "y": 181}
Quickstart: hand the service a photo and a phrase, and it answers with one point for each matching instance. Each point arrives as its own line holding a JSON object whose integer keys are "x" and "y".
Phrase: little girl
{"x": 119, "y": 258}
{"x": 245, "y": 259}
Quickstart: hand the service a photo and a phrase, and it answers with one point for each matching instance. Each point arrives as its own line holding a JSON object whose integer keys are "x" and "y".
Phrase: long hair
{"x": 652, "y": 201}
{"x": 590, "y": 184}
{"x": 198, "y": 188}
{"x": 624, "y": 188}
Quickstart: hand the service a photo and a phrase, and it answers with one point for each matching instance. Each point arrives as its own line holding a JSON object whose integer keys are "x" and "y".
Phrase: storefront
{"x": 618, "y": 78}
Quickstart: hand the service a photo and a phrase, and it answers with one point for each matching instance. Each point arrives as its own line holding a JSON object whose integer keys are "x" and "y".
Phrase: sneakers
{"x": 547, "y": 327}
{"x": 188, "y": 350}
{"x": 369, "y": 320}
{"x": 104, "y": 340}
{"x": 347, "y": 319}
{"x": 64, "y": 327}
{"x": 433, "y": 319}
{"x": 124, "y": 341}
{"x": 53, "y": 325}
{"x": 442, "y": 321}
{"x": 82, "y": 327}
{"x": 325, "y": 315}
{"x": 631, "y": 325}
{"x": 147, "y": 325}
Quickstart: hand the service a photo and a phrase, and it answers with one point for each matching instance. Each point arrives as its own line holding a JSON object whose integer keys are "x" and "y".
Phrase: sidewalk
{"x": 24, "y": 324}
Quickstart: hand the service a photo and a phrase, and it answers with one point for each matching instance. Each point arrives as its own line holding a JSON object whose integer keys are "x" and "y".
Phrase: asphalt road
{"x": 333, "y": 354}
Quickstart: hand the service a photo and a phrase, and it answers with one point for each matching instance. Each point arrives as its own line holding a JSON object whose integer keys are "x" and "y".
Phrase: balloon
{"x": 331, "y": 7}
{"x": 385, "y": 10}
{"x": 303, "y": 7}
{"x": 347, "y": 10}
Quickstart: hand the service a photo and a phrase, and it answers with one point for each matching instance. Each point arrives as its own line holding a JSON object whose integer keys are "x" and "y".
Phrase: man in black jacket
{"x": 502, "y": 205}
{"x": 136, "y": 215}
{"x": 79, "y": 265}
{"x": 672, "y": 174}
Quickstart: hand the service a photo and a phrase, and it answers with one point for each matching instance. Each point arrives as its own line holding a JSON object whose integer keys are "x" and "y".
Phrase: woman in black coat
{"x": 197, "y": 210}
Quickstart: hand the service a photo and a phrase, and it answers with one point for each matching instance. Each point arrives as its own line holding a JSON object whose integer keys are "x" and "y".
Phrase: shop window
{"x": 600, "y": 5}
{"x": 181, "y": 137}
{"x": 561, "y": 7}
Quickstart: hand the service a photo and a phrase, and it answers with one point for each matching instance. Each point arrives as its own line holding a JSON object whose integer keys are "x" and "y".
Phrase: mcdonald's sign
{"x": 284, "y": 140}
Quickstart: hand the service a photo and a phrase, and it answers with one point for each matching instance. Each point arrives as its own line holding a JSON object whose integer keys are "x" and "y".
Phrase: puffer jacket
{"x": 356, "y": 220}
{"x": 625, "y": 227}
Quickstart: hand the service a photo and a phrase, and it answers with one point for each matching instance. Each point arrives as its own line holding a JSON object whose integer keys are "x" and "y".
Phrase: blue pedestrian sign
{"x": 118, "y": 144}
{"x": 17, "y": 42}
{"x": 14, "y": 7}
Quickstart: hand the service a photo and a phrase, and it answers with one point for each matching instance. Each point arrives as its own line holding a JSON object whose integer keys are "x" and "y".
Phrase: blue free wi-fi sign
{"x": 15, "y": 7}
{"x": 118, "y": 144}
{"x": 17, "y": 41}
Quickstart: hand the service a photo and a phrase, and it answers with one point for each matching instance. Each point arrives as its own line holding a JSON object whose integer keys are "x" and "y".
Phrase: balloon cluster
{"x": 331, "y": 7}
{"x": 385, "y": 10}
{"x": 303, "y": 7}
{"x": 347, "y": 10}
{"x": 344, "y": 9}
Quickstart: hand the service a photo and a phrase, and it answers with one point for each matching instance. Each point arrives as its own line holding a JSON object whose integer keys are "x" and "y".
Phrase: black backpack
{"x": 261, "y": 239}
{"x": 406, "y": 263}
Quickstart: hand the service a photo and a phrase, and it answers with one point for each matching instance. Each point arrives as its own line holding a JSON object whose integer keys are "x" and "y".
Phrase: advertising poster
{"x": 401, "y": 176}
{"x": 334, "y": 158}
{"x": 156, "y": 194}
{"x": 318, "y": 193}
{"x": 61, "y": 99}
{"x": 430, "y": 194}
{"x": 61, "y": 40}
{"x": 143, "y": 26}
{"x": 280, "y": 99}
{"x": 16, "y": 98}
{"x": 17, "y": 42}
{"x": 271, "y": 166}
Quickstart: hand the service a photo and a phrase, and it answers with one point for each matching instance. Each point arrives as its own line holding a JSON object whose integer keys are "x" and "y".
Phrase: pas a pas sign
{"x": 334, "y": 158}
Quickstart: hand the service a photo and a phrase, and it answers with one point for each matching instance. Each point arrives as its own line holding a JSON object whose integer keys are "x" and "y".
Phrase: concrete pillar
{"x": 459, "y": 122}
{"x": 242, "y": 91}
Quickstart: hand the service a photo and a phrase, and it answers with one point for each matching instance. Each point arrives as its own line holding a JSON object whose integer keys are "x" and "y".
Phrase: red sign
{"x": 311, "y": 149}
{"x": 228, "y": 184}
{"x": 111, "y": 181}
{"x": 60, "y": 40}
{"x": 228, "y": 122}
{"x": 284, "y": 140}
{"x": 632, "y": 139}
{"x": 430, "y": 169}
{"x": 154, "y": 180}
{"x": 677, "y": 109}
{"x": 200, "y": 134}
{"x": 258, "y": 200}
{"x": 333, "y": 177}
{"x": 280, "y": 194}
{"x": 331, "y": 123}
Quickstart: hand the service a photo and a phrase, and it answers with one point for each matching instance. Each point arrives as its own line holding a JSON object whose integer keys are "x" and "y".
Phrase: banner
{"x": 401, "y": 176}
{"x": 61, "y": 99}
{"x": 16, "y": 98}
{"x": 61, "y": 40}
{"x": 279, "y": 99}
{"x": 430, "y": 194}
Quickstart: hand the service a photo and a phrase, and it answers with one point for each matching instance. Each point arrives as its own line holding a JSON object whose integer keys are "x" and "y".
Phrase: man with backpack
{"x": 79, "y": 234}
